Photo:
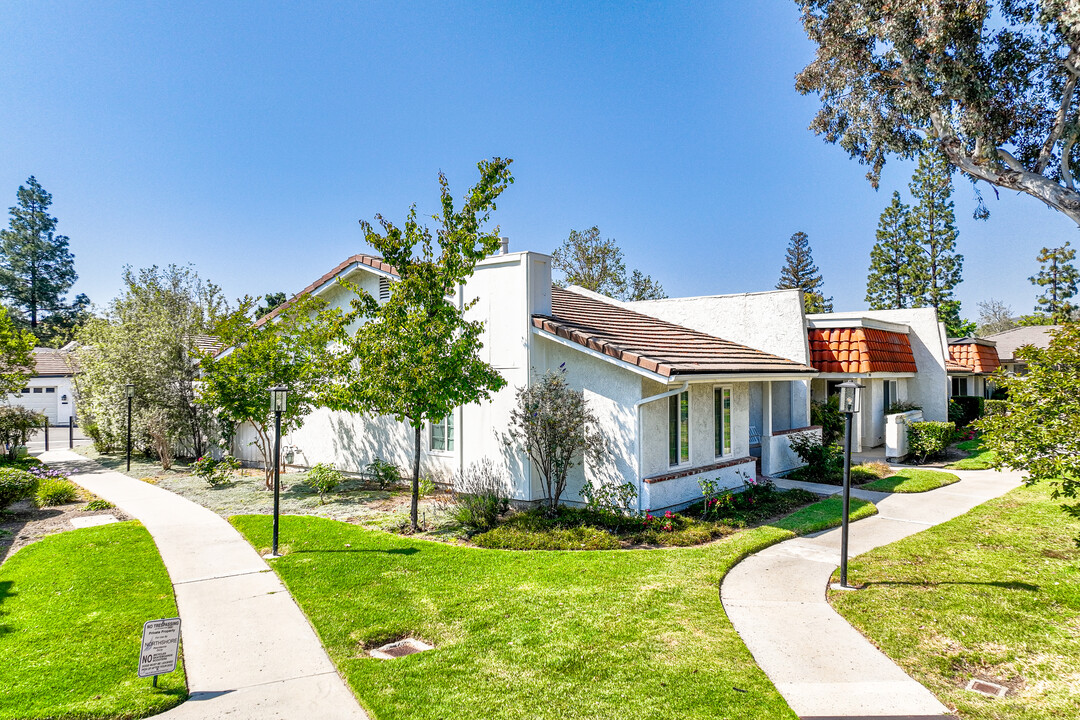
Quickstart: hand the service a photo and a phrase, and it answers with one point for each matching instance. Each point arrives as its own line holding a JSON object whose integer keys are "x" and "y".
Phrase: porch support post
{"x": 766, "y": 428}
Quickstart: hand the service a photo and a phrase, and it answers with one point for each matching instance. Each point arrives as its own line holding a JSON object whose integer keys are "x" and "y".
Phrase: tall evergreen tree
{"x": 890, "y": 284}
{"x": 1059, "y": 276}
{"x": 36, "y": 267}
{"x": 939, "y": 267}
{"x": 800, "y": 273}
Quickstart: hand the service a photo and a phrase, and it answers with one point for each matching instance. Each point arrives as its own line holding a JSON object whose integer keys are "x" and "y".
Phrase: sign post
{"x": 160, "y": 647}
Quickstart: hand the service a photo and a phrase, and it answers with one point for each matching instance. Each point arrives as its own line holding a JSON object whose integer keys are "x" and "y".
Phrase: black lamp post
{"x": 129, "y": 390}
{"x": 277, "y": 406}
{"x": 850, "y": 399}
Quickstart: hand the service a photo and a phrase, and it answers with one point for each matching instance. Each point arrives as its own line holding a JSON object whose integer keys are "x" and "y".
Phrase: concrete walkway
{"x": 822, "y": 666}
{"x": 248, "y": 650}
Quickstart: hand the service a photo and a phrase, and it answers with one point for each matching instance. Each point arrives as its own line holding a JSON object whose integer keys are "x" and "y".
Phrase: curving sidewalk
{"x": 822, "y": 666}
{"x": 249, "y": 652}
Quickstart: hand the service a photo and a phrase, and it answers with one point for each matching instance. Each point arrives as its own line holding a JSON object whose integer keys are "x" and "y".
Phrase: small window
{"x": 37, "y": 391}
{"x": 959, "y": 386}
{"x": 384, "y": 289}
{"x": 722, "y": 427}
{"x": 442, "y": 434}
{"x": 679, "y": 428}
{"x": 890, "y": 397}
{"x": 26, "y": 391}
{"x": 50, "y": 390}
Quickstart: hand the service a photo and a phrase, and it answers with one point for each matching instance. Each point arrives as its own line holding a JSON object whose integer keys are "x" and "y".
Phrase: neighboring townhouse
{"x": 970, "y": 363}
{"x": 1008, "y": 342}
{"x": 50, "y": 389}
{"x": 676, "y": 403}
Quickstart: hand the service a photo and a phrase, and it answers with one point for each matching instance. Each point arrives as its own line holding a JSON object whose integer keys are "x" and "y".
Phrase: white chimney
{"x": 505, "y": 248}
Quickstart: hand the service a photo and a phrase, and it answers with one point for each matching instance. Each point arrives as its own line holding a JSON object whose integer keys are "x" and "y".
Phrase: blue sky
{"x": 248, "y": 138}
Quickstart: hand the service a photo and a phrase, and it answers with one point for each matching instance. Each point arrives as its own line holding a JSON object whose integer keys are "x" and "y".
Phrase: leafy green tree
{"x": 1039, "y": 433}
{"x": 416, "y": 357}
{"x": 995, "y": 317}
{"x": 36, "y": 267}
{"x": 270, "y": 302}
{"x": 587, "y": 260}
{"x": 557, "y": 430}
{"x": 1034, "y": 320}
{"x": 890, "y": 282}
{"x": 1058, "y": 276}
{"x": 16, "y": 355}
{"x": 937, "y": 268}
{"x": 800, "y": 273}
{"x": 291, "y": 351}
{"x": 147, "y": 337}
{"x": 991, "y": 83}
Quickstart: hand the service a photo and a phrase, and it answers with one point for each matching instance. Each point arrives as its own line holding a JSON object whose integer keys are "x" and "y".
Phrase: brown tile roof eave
{"x": 369, "y": 260}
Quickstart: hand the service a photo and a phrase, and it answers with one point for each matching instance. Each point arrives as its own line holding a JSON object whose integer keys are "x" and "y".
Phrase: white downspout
{"x": 637, "y": 409}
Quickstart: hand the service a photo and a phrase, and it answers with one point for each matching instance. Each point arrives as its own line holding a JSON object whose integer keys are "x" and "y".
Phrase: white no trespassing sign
{"x": 160, "y": 646}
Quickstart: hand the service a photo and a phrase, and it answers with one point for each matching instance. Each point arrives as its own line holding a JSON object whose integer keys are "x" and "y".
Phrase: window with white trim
{"x": 722, "y": 424}
{"x": 442, "y": 435}
{"x": 679, "y": 429}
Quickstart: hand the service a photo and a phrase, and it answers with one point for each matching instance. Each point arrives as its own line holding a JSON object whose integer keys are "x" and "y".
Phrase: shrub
{"x": 104, "y": 442}
{"x": 53, "y": 490}
{"x": 576, "y": 538}
{"x": 323, "y": 478}
{"x": 99, "y": 504}
{"x": 616, "y": 498}
{"x": 384, "y": 473}
{"x": 16, "y": 424}
{"x": 425, "y": 485}
{"x": 956, "y": 413}
{"x": 827, "y": 415}
{"x": 823, "y": 462}
{"x": 479, "y": 496}
{"x": 926, "y": 439}
{"x": 15, "y": 485}
{"x": 995, "y": 407}
{"x": 902, "y": 406}
{"x": 972, "y": 407}
{"x": 215, "y": 472}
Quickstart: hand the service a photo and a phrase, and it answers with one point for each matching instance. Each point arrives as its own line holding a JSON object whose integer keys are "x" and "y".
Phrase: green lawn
{"x": 72, "y": 607}
{"x": 993, "y": 594}
{"x": 979, "y": 458}
{"x": 544, "y": 634}
{"x": 912, "y": 480}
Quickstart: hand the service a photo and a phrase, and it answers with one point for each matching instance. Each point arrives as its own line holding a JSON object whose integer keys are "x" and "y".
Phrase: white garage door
{"x": 39, "y": 399}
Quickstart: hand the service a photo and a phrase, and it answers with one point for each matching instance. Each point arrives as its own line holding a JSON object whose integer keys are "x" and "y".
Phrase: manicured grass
{"x": 912, "y": 480}
{"x": 590, "y": 634}
{"x": 825, "y": 514}
{"x": 993, "y": 594}
{"x": 72, "y": 607}
{"x": 979, "y": 458}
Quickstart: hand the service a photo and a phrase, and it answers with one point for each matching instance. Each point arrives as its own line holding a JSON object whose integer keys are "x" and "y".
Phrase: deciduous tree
{"x": 16, "y": 355}
{"x": 995, "y": 317}
{"x": 893, "y": 260}
{"x": 416, "y": 357}
{"x": 587, "y": 260}
{"x": 292, "y": 350}
{"x": 36, "y": 267}
{"x": 1058, "y": 276}
{"x": 991, "y": 83}
{"x": 800, "y": 273}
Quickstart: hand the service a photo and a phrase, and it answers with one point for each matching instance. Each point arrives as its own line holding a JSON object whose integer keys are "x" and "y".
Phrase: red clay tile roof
{"x": 369, "y": 260}
{"x": 661, "y": 347}
{"x": 860, "y": 350}
{"x": 974, "y": 357}
{"x": 48, "y": 361}
{"x": 951, "y": 366}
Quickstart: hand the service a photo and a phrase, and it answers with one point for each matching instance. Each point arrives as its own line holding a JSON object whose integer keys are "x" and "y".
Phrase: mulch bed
{"x": 27, "y": 524}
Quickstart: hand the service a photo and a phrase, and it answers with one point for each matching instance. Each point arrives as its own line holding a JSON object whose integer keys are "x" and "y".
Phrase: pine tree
{"x": 800, "y": 273}
{"x": 890, "y": 284}
{"x": 939, "y": 267}
{"x": 36, "y": 267}
{"x": 1059, "y": 277}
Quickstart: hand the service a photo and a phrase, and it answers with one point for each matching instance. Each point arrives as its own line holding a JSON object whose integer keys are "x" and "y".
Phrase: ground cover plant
{"x": 993, "y": 594}
{"x": 594, "y": 634}
{"x": 912, "y": 480}
{"x": 72, "y": 649}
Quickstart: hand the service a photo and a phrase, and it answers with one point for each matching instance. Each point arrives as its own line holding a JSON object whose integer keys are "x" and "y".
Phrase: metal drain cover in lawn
{"x": 985, "y": 687}
{"x": 399, "y": 648}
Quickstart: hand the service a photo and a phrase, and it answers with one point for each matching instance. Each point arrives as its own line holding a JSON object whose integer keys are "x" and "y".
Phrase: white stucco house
{"x": 677, "y": 401}
{"x": 50, "y": 389}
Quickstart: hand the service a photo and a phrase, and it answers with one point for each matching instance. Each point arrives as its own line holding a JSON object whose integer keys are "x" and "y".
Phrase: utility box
{"x": 896, "y": 431}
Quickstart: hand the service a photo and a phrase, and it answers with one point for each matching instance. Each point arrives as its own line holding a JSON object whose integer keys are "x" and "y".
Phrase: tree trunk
{"x": 415, "y": 478}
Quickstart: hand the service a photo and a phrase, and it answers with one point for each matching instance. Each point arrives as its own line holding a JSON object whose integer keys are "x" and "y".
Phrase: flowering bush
{"x": 215, "y": 472}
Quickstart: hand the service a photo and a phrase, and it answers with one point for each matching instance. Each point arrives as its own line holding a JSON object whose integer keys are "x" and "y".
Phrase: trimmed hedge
{"x": 972, "y": 407}
{"x": 926, "y": 439}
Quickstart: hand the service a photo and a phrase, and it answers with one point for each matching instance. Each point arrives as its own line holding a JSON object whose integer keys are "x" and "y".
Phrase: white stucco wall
{"x": 60, "y": 402}
{"x": 770, "y": 321}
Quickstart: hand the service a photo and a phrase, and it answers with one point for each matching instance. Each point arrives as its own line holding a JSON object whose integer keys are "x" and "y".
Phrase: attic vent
{"x": 384, "y": 289}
